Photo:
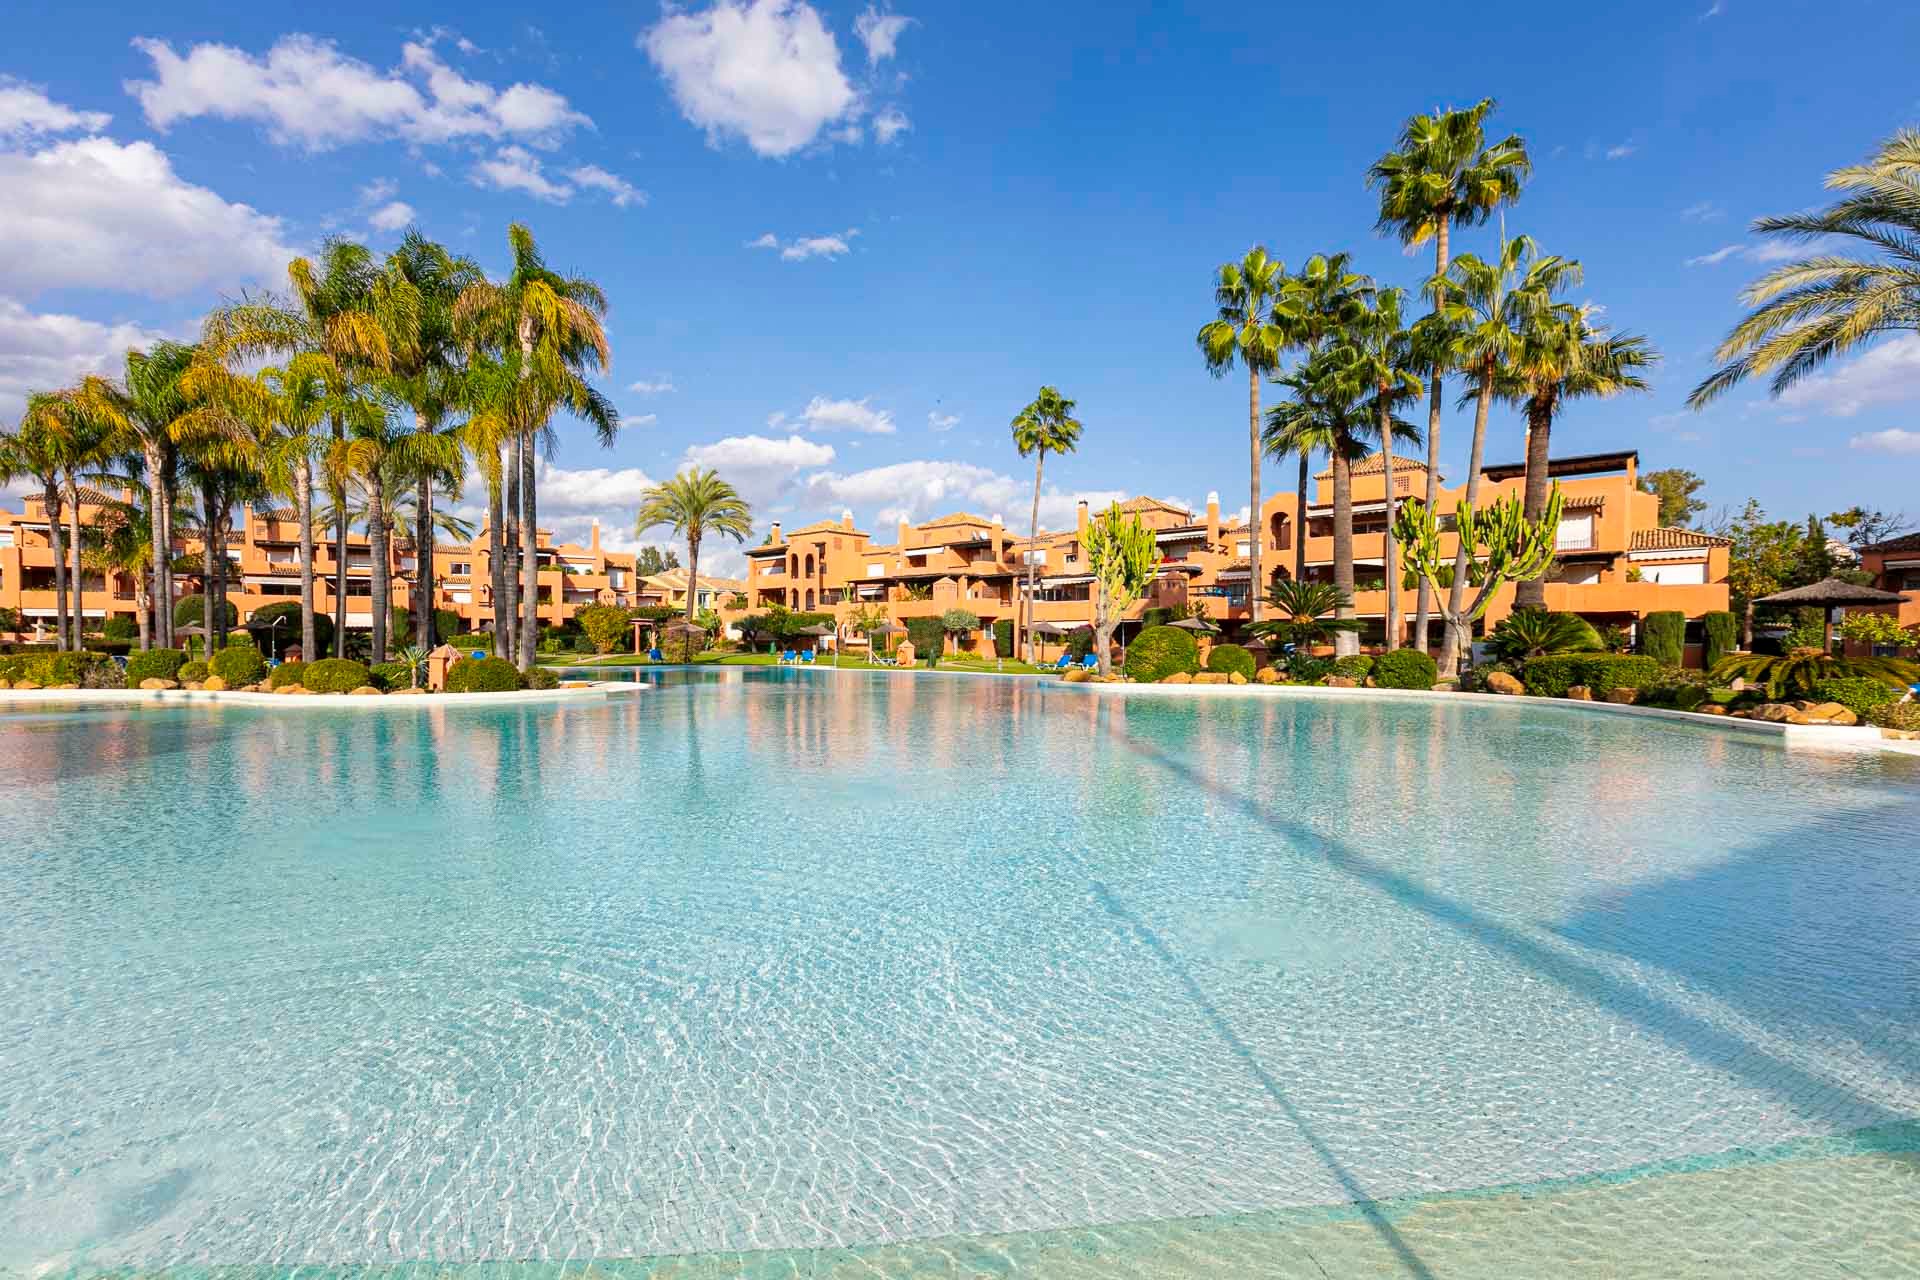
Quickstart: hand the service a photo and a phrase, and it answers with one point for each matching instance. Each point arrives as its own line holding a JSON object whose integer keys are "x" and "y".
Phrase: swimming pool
{"x": 801, "y": 972}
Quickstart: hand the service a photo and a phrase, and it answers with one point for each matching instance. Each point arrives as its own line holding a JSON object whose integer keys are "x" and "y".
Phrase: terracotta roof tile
{"x": 1670, "y": 539}
{"x": 1906, "y": 542}
{"x": 1374, "y": 464}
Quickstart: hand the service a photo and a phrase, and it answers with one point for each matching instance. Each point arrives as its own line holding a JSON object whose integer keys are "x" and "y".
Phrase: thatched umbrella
{"x": 1830, "y": 594}
{"x": 1199, "y": 626}
{"x": 1039, "y": 630}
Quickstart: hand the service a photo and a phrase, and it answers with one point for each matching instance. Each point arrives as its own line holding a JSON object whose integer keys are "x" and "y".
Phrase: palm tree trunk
{"x": 1033, "y": 542}
{"x": 1388, "y": 559}
{"x": 303, "y": 503}
{"x": 207, "y": 550}
{"x": 1344, "y": 642}
{"x": 158, "y": 497}
{"x": 423, "y": 632}
{"x": 221, "y": 567}
{"x": 497, "y": 569}
{"x": 1459, "y": 630}
{"x": 510, "y": 548}
{"x": 50, "y": 498}
{"x": 377, "y": 552}
{"x": 1300, "y": 519}
{"x": 530, "y": 557}
{"x": 1532, "y": 594}
{"x": 1424, "y": 601}
{"x": 339, "y": 558}
{"x": 79, "y": 614}
{"x": 1256, "y": 585}
{"x": 141, "y": 599}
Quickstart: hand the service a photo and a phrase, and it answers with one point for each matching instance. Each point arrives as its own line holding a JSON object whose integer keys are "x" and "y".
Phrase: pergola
{"x": 1829, "y": 594}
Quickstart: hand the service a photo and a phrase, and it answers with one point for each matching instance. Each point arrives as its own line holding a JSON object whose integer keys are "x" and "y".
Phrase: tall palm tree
{"x": 1807, "y": 312}
{"x": 1385, "y": 358}
{"x": 1308, "y": 613}
{"x": 1316, "y": 305}
{"x": 1443, "y": 173}
{"x": 1046, "y": 425}
{"x": 373, "y": 450}
{"x": 1244, "y": 293}
{"x": 35, "y": 451}
{"x": 1561, "y": 356}
{"x": 126, "y": 550}
{"x": 693, "y": 504}
{"x": 1476, "y": 330}
{"x": 547, "y": 327}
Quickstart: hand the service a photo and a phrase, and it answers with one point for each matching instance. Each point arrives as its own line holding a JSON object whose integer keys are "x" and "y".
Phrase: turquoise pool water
{"x": 802, "y": 973}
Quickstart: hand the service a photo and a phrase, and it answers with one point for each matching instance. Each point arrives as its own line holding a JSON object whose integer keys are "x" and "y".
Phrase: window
{"x": 1580, "y": 575}
{"x": 1674, "y": 574}
{"x": 6, "y": 537}
{"x": 1034, "y": 557}
{"x": 1576, "y": 533}
{"x": 876, "y": 570}
{"x": 618, "y": 577}
{"x": 1244, "y": 547}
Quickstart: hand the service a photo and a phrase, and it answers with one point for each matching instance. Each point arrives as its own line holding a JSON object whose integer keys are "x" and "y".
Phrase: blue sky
{"x": 844, "y": 243}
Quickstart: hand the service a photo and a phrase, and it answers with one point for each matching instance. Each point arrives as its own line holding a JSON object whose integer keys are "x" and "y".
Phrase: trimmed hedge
{"x": 928, "y": 637}
{"x": 195, "y": 670}
{"x": 1861, "y": 696}
{"x": 1158, "y": 617}
{"x": 1552, "y": 676}
{"x": 1722, "y": 636}
{"x": 446, "y": 625}
{"x": 154, "y": 664}
{"x": 483, "y": 675}
{"x": 1355, "y": 666}
{"x": 1405, "y": 669}
{"x": 239, "y": 664}
{"x": 334, "y": 675}
{"x": 1003, "y": 638}
{"x": 390, "y": 675}
{"x": 187, "y": 611}
{"x": 1663, "y": 636}
{"x": 1158, "y": 652}
{"x": 471, "y": 640}
{"x": 119, "y": 627}
{"x": 1230, "y": 658}
{"x": 288, "y": 673}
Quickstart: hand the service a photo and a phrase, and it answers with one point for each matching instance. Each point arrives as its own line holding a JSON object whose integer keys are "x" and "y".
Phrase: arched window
{"x": 809, "y": 599}
{"x": 809, "y": 567}
{"x": 1282, "y": 529}
{"x": 793, "y": 566}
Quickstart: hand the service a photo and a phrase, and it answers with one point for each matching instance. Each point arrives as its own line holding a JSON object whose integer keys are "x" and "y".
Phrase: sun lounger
{"x": 1090, "y": 662}
{"x": 786, "y": 656}
{"x": 807, "y": 657}
{"x": 1066, "y": 660}
{"x": 654, "y": 655}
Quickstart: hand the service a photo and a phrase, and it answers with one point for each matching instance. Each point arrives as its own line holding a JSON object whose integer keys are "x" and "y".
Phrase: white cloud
{"x": 1621, "y": 150}
{"x": 379, "y": 191}
{"x": 44, "y": 351}
{"x": 646, "y": 388}
{"x": 880, "y": 32}
{"x": 1703, "y": 211}
{"x": 822, "y": 414}
{"x": 618, "y": 189}
{"x": 924, "y": 488}
{"x": 762, "y": 468}
{"x": 92, "y": 213}
{"x": 391, "y": 216}
{"x": 1892, "y": 440}
{"x": 804, "y": 247}
{"x": 307, "y": 93}
{"x": 766, "y": 71}
{"x": 1764, "y": 251}
{"x": 890, "y": 124}
{"x": 25, "y": 110}
{"x": 1714, "y": 10}
{"x": 1887, "y": 374}
{"x": 938, "y": 422}
{"x": 639, "y": 419}
{"x": 571, "y": 500}
{"x": 518, "y": 169}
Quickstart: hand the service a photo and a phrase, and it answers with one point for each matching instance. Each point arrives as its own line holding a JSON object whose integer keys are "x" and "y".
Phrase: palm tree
{"x": 1307, "y": 613}
{"x": 35, "y": 451}
{"x": 1046, "y": 425}
{"x": 1385, "y": 357}
{"x": 1562, "y": 357}
{"x": 1807, "y": 312}
{"x": 373, "y": 450}
{"x": 1444, "y": 174}
{"x": 547, "y": 328}
{"x": 1476, "y": 330}
{"x": 1244, "y": 292}
{"x": 694, "y": 504}
{"x": 1315, "y": 306}
{"x": 126, "y": 549}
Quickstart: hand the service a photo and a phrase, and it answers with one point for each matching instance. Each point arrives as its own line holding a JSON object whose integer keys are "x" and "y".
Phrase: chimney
{"x": 775, "y": 537}
{"x": 1080, "y": 517}
{"x": 1213, "y": 517}
{"x": 999, "y": 537}
{"x": 902, "y": 531}
{"x": 846, "y": 518}
{"x": 594, "y": 541}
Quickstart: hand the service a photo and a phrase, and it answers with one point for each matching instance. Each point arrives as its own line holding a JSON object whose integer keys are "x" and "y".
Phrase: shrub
{"x": 1158, "y": 652}
{"x": 88, "y": 670}
{"x": 927, "y": 636}
{"x": 1551, "y": 677}
{"x": 471, "y": 640}
{"x": 482, "y": 675}
{"x": 1003, "y": 638}
{"x": 541, "y": 678}
{"x": 119, "y": 627}
{"x": 1862, "y": 697}
{"x": 1158, "y": 617}
{"x": 154, "y": 664}
{"x": 446, "y": 625}
{"x": 1474, "y": 679}
{"x": 1355, "y": 666}
{"x": 603, "y": 625}
{"x": 1663, "y": 636}
{"x": 1898, "y": 715}
{"x": 193, "y": 671}
{"x": 1080, "y": 643}
{"x": 1309, "y": 670}
{"x": 1722, "y": 632}
{"x": 335, "y": 675}
{"x": 390, "y": 675}
{"x": 239, "y": 664}
{"x": 1797, "y": 674}
{"x": 272, "y": 639}
{"x": 1230, "y": 658}
{"x": 187, "y": 611}
{"x": 1534, "y": 633}
{"x": 287, "y": 673}
{"x": 1405, "y": 669}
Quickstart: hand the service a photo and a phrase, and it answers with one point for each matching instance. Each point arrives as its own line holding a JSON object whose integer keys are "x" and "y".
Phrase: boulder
{"x": 365, "y": 691}
{"x": 63, "y": 686}
{"x": 1833, "y": 713}
{"x": 1079, "y": 675}
{"x": 24, "y": 683}
{"x": 1179, "y": 677}
{"x": 1507, "y": 683}
{"x": 1901, "y": 735}
{"x": 1774, "y": 713}
{"x": 1234, "y": 677}
{"x": 155, "y": 682}
{"x": 195, "y": 685}
{"x": 1211, "y": 677}
{"x": 5, "y": 683}
{"x": 291, "y": 688}
{"x": 1342, "y": 682}
{"x": 1580, "y": 693}
{"x": 1267, "y": 675}
{"x": 1625, "y": 697}
{"x": 214, "y": 684}
{"x": 414, "y": 693}
{"x": 1711, "y": 709}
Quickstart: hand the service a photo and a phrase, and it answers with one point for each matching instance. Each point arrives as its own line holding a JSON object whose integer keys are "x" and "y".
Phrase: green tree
{"x": 1047, "y": 425}
{"x": 1675, "y": 489}
{"x": 1831, "y": 303}
{"x": 604, "y": 625}
{"x": 1306, "y": 614}
{"x": 36, "y": 451}
{"x": 1122, "y": 556}
{"x": 1766, "y": 556}
{"x": 1385, "y": 359}
{"x": 693, "y": 504}
{"x": 958, "y": 623}
{"x": 1441, "y": 174}
{"x": 652, "y": 560}
{"x": 1863, "y": 528}
{"x": 1244, "y": 329}
{"x": 1317, "y": 305}
{"x": 1503, "y": 545}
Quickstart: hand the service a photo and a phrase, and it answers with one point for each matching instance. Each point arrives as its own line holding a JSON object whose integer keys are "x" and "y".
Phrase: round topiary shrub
{"x": 1158, "y": 652}
{"x": 154, "y": 664}
{"x": 1355, "y": 666}
{"x": 287, "y": 673}
{"x": 275, "y": 639}
{"x": 193, "y": 671}
{"x": 239, "y": 664}
{"x": 1231, "y": 658}
{"x": 390, "y": 675}
{"x": 1405, "y": 669}
{"x": 334, "y": 675}
{"x": 541, "y": 678}
{"x": 483, "y": 675}
{"x": 188, "y": 611}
